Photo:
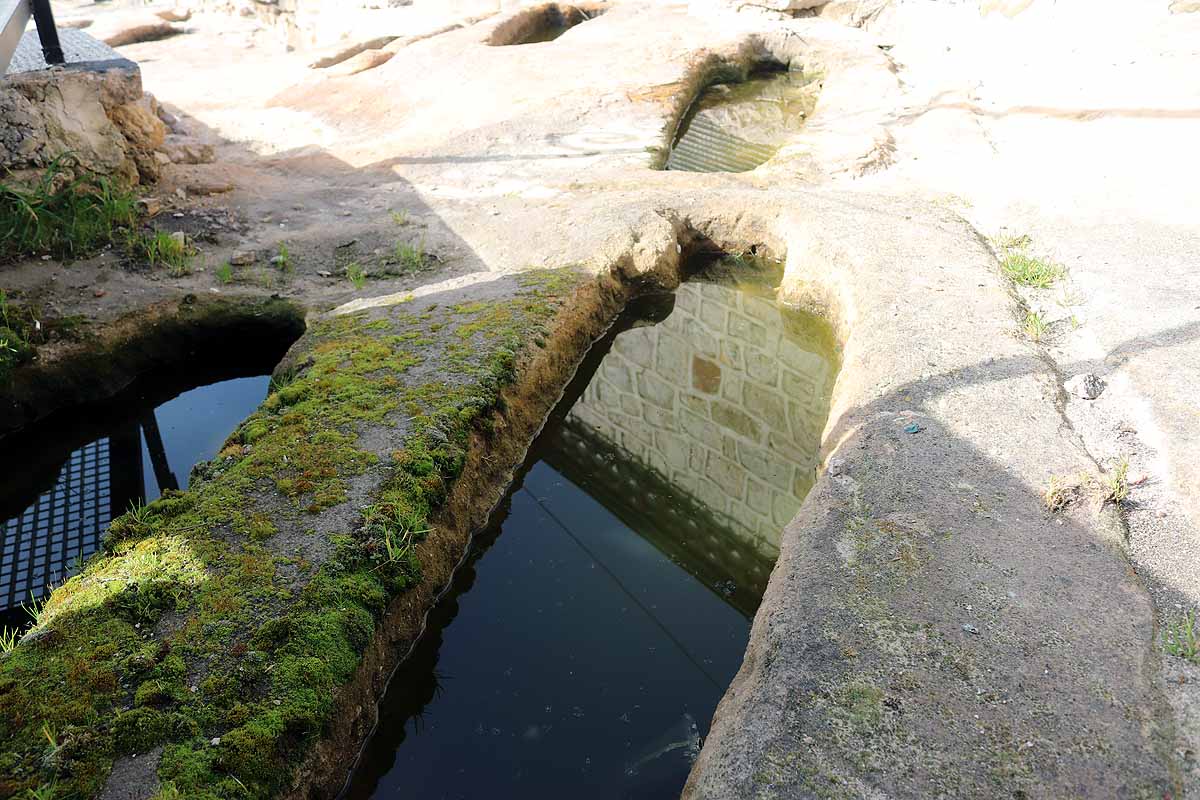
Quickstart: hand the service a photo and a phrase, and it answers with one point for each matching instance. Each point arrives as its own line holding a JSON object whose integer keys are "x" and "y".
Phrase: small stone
{"x": 189, "y": 153}
{"x": 179, "y": 215}
{"x": 205, "y": 188}
{"x": 98, "y": 293}
{"x": 194, "y": 689}
{"x": 278, "y": 260}
{"x": 277, "y": 702}
{"x": 216, "y": 740}
{"x": 179, "y": 237}
{"x": 149, "y": 206}
{"x": 1085, "y": 386}
{"x": 324, "y": 273}
{"x": 243, "y": 258}
{"x": 969, "y": 628}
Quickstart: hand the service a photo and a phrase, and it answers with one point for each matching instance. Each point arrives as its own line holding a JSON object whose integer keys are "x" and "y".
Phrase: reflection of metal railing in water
{"x": 65, "y": 525}
{"x": 14, "y": 17}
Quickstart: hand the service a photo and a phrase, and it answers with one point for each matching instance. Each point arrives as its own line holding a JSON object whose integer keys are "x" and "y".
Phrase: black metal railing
{"x": 47, "y": 31}
{"x": 14, "y": 16}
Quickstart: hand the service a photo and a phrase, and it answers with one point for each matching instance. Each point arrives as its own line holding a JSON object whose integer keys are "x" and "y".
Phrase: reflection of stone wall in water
{"x": 722, "y": 400}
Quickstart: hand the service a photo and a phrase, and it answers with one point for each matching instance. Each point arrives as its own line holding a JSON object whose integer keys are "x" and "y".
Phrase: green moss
{"x": 268, "y": 636}
{"x": 862, "y": 702}
{"x": 141, "y": 729}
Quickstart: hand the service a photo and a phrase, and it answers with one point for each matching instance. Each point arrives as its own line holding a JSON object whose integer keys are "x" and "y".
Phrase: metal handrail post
{"x": 47, "y": 32}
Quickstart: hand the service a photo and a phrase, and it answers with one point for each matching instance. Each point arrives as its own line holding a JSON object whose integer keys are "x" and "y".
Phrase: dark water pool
{"x": 85, "y": 466}
{"x": 587, "y": 640}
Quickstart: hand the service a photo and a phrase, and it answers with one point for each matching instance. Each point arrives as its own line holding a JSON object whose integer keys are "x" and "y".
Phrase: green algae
{"x": 220, "y": 625}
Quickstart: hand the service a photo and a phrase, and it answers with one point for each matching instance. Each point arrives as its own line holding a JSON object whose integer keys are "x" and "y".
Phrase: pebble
{"x": 969, "y": 628}
{"x": 216, "y": 740}
{"x": 99, "y": 293}
{"x": 242, "y": 258}
{"x": 1085, "y": 386}
{"x": 324, "y": 273}
{"x": 180, "y": 237}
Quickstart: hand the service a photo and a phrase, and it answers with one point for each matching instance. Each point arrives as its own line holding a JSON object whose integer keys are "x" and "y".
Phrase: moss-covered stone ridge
{"x": 219, "y": 625}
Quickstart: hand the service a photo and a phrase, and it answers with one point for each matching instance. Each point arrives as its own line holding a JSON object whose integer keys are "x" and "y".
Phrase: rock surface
{"x": 100, "y": 117}
{"x": 1086, "y": 386}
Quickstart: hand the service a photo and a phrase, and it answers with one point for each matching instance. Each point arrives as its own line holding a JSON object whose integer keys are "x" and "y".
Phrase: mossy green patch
{"x": 201, "y": 622}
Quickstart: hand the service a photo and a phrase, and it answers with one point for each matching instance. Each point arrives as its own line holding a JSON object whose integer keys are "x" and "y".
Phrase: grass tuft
{"x": 1181, "y": 639}
{"x": 158, "y": 248}
{"x": 63, "y": 216}
{"x": 225, "y": 273}
{"x": 284, "y": 259}
{"x": 1059, "y": 494}
{"x": 411, "y": 257}
{"x": 1116, "y": 483}
{"x": 1024, "y": 269}
{"x": 1035, "y": 326}
{"x": 357, "y": 275}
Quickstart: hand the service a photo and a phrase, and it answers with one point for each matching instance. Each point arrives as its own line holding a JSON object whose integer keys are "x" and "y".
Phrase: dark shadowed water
{"x": 587, "y": 640}
{"x": 83, "y": 467}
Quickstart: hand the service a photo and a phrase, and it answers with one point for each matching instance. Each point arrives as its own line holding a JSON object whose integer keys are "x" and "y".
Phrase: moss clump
{"x": 141, "y": 729}
{"x": 198, "y": 624}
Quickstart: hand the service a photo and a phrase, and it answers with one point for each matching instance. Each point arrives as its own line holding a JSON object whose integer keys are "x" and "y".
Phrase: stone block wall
{"x": 725, "y": 398}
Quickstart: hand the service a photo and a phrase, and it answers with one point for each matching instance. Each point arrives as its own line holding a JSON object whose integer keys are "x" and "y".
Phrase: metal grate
{"x": 78, "y": 47}
{"x": 44, "y": 545}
